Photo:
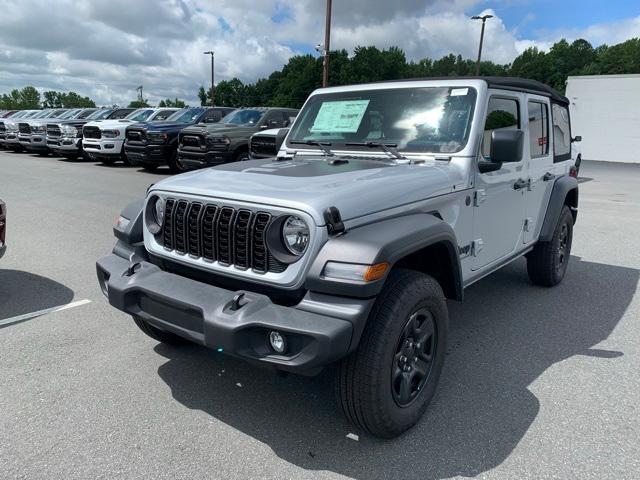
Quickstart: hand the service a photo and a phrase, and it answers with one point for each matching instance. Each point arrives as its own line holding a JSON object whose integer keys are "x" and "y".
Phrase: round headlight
{"x": 295, "y": 235}
{"x": 154, "y": 214}
{"x": 159, "y": 211}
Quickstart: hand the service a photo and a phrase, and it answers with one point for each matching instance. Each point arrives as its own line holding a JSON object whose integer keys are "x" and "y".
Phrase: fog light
{"x": 277, "y": 341}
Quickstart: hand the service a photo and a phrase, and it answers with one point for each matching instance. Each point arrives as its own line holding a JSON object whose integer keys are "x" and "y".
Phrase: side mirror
{"x": 576, "y": 139}
{"x": 507, "y": 146}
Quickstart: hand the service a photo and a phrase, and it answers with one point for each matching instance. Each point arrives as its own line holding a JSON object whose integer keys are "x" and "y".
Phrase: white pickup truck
{"x": 104, "y": 140}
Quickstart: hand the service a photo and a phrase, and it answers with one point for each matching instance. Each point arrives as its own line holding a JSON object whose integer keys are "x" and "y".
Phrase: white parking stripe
{"x": 28, "y": 316}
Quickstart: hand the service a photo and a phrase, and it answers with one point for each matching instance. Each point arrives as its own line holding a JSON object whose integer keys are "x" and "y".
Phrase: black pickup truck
{"x": 208, "y": 145}
{"x": 151, "y": 145}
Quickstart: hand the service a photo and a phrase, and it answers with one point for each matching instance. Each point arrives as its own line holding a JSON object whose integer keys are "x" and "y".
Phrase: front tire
{"x": 157, "y": 334}
{"x": 547, "y": 263}
{"x": 386, "y": 385}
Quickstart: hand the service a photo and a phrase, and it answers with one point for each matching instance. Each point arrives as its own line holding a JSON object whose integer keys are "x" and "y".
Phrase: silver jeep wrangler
{"x": 385, "y": 200}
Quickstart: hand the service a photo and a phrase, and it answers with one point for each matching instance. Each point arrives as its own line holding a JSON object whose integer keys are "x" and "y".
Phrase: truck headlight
{"x": 154, "y": 214}
{"x": 38, "y": 129}
{"x": 69, "y": 130}
{"x": 219, "y": 142}
{"x": 288, "y": 237}
{"x": 110, "y": 133}
{"x": 157, "y": 137}
{"x": 295, "y": 235}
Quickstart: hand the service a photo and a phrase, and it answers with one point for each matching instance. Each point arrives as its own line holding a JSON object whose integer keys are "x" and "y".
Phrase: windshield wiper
{"x": 324, "y": 146}
{"x": 389, "y": 148}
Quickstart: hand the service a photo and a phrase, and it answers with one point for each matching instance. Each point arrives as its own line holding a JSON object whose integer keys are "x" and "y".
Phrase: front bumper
{"x": 199, "y": 159}
{"x": 36, "y": 142}
{"x": 149, "y": 154}
{"x": 11, "y": 139}
{"x": 207, "y": 315}
{"x": 64, "y": 144}
{"x": 106, "y": 147}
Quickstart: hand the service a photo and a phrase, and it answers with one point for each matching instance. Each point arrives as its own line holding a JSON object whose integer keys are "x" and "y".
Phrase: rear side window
{"x": 502, "y": 114}
{"x": 561, "y": 133}
{"x": 538, "y": 129}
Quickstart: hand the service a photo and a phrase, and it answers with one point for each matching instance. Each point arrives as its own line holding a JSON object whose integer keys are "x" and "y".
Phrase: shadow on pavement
{"x": 503, "y": 336}
{"x": 24, "y": 292}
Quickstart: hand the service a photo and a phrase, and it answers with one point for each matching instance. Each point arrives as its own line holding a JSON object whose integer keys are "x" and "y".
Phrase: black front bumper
{"x": 191, "y": 158}
{"x": 149, "y": 154}
{"x": 207, "y": 315}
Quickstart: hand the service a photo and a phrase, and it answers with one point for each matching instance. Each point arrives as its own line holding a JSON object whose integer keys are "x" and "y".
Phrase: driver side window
{"x": 502, "y": 114}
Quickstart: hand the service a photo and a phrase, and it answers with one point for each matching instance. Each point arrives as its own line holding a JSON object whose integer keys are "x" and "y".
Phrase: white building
{"x": 605, "y": 111}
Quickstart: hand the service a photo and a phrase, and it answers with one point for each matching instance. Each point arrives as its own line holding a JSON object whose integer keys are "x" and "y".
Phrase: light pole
{"x": 326, "y": 46}
{"x": 484, "y": 18}
{"x": 213, "y": 88}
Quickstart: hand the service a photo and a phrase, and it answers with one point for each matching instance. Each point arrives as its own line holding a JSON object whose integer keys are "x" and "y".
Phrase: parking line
{"x": 28, "y": 316}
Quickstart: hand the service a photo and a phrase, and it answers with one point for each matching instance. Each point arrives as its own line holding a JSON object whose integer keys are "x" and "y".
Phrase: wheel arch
{"x": 418, "y": 241}
{"x": 565, "y": 192}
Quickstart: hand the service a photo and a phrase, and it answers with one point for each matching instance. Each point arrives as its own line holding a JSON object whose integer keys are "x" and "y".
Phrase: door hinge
{"x": 476, "y": 247}
{"x": 527, "y": 224}
{"x": 479, "y": 197}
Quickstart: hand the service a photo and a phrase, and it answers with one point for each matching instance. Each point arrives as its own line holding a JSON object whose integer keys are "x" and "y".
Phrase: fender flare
{"x": 132, "y": 232}
{"x": 561, "y": 188}
{"x": 385, "y": 241}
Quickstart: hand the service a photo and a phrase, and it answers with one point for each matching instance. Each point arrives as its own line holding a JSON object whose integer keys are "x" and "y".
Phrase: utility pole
{"x": 484, "y": 18}
{"x": 327, "y": 42}
{"x": 140, "y": 97}
{"x": 213, "y": 88}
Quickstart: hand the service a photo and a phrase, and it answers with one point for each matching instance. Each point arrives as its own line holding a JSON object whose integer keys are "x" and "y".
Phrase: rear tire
{"x": 385, "y": 386}
{"x": 242, "y": 156}
{"x": 157, "y": 334}
{"x": 547, "y": 263}
{"x": 174, "y": 165}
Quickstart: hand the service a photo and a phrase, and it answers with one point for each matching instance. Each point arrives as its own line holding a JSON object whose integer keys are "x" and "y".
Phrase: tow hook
{"x": 133, "y": 268}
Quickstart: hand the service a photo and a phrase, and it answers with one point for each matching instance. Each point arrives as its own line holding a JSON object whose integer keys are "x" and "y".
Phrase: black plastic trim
{"x": 132, "y": 233}
{"x": 561, "y": 188}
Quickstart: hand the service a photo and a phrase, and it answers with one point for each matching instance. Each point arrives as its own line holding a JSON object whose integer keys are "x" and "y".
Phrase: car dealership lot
{"x": 538, "y": 383}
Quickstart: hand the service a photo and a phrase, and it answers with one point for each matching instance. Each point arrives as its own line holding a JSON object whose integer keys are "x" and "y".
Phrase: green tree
{"x": 29, "y": 98}
{"x": 74, "y": 100}
{"x": 52, "y": 99}
{"x": 175, "y": 103}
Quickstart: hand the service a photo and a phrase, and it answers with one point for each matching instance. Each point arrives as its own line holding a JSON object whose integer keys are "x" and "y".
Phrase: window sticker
{"x": 342, "y": 116}
{"x": 459, "y": 92}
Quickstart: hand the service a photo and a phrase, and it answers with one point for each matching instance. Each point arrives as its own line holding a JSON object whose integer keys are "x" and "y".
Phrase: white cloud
{"x": 106, "y": 49}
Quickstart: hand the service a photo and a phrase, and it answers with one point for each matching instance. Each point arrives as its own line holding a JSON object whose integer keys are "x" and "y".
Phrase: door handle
{"x": 548, "y": 176}
{"x": 521, "y": 183}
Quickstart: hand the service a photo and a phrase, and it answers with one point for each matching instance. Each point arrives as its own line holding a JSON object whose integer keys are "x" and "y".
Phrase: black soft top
{"x": 506, "y": 83}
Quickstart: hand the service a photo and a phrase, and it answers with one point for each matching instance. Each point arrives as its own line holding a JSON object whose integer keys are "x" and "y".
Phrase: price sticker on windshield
{"x": 342, "y": 116}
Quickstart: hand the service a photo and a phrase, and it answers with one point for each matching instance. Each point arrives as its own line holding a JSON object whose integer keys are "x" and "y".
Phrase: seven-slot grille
{"x": 91, "y": 132}
{"x": 218, "y": 233}
{"x": 263, "y": 146}
{"x": 24, "y": 128}
{"x": 53, "y": 130}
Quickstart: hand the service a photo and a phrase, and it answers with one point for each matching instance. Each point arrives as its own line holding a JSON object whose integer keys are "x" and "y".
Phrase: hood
{"x": 74, "y": 123}
{"x": 110, "y": 124}
{"x": 160, "y": 126}
{"x": 310, "y": 184}
{"x": 214, "y": 129}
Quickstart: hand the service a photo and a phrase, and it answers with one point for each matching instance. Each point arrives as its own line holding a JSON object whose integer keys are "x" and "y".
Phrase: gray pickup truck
{"x": 384, "y": 201}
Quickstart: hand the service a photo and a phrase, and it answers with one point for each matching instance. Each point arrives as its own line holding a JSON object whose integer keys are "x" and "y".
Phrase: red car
{"x": 3, "y": 227}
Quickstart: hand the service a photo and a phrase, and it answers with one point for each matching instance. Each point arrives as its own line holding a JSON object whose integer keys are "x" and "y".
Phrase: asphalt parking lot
{"x": 539, "y": 383}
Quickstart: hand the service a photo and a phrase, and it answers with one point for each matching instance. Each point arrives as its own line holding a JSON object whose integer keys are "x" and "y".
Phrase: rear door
{"x": 540, "y": 169}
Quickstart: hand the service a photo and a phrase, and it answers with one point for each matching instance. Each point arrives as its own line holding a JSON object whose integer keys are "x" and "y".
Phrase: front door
{"x": 499, "y": 199}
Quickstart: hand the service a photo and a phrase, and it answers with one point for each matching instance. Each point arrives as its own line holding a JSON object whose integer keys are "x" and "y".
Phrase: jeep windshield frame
{"x": 426, "y": 119}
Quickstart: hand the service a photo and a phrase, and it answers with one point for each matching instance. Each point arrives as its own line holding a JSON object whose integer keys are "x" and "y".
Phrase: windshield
{"x": 188, "y": 115}
{"x": 70, "y": 114}
{"x": 100, "y": 114}
{"x": 139, "y": 115}
{"x": 86, "y": 114}
{"x": 419, "y": 119}
{"x": 120, "y": 114}
{"x": 244, "y": 117}
{"x": 56, "y": 113}
{"x": 41, "y": 114}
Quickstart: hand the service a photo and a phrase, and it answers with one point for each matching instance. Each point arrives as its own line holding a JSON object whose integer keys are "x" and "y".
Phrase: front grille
{"x": 188, "y": 140}
{"x": 263, "y": 146}
{"x": 91, "y": 132}
{"x": 53, "y": 130}
{"x": 136, "y": 135}
{"x": 232, "y": 237}
{"x": 24, "y": 128}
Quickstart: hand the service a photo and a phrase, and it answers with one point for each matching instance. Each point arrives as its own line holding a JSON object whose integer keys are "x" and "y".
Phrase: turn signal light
{"x": 375, "y": 272}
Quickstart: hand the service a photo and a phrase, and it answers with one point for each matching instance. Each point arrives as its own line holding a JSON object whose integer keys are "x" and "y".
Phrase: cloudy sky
{"x": 105, "y": 49}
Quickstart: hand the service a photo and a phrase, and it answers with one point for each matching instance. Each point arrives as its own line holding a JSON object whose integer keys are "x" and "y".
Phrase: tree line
{"x": 290, "y": 86}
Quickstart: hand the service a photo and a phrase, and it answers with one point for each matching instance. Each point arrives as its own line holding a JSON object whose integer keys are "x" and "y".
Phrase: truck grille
{"x": 263, "y": 146}
{"x": 136, "y": 135}
{"x": 53, "y": 130}
{"x": 188, "y": 140}
{"x": 24, "y": 128}
{"x": 232, "y": 237}
{"x": 91, "y": 132}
